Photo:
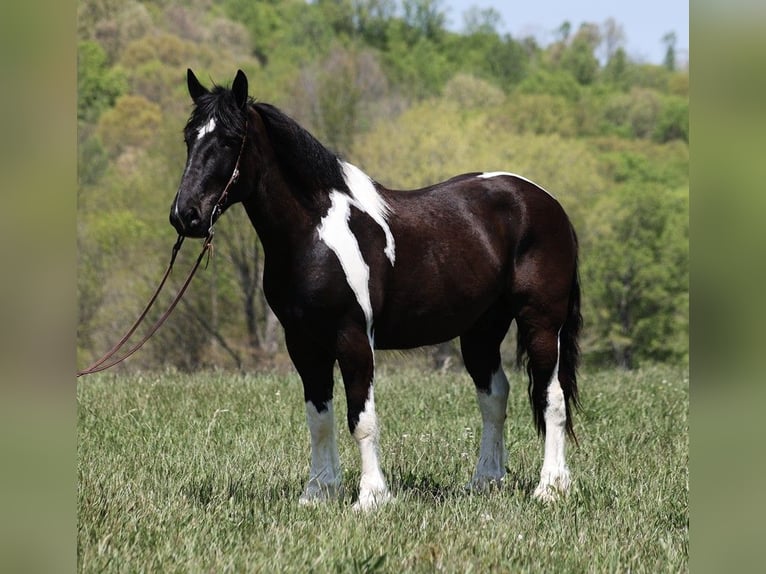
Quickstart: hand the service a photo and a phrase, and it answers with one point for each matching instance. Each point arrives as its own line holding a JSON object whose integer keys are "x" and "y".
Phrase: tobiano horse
{"x": 351, "y": 267}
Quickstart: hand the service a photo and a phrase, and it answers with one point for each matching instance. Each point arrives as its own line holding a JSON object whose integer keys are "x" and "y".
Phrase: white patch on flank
{"x": 372, "y": 486}
{"x": 335, "y": 232}
{"x": 368, "y": 200}
{"x": 489, "y": 174}
{"x": 490, "y": 467}
{"x": 554, "y": 476}
{"x": 324, "y": 476}
{"x": 206, "y": 129}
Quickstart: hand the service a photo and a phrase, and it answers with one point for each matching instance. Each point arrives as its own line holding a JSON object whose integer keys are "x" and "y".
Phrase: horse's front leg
{"x": 315, "y": 368}
{"x": 355, "y": 358}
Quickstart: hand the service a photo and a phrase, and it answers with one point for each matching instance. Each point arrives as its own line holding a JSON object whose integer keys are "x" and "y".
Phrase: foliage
{"x": 640, "y": 277}
{"x": 98, "y": 85}
{"x": 390, "y": 88}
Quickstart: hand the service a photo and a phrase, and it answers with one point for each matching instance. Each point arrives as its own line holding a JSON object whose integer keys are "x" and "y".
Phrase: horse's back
{"x": 457, "y": 246}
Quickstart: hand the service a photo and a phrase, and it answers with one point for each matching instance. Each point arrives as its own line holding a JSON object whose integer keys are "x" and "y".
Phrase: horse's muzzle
{"x": 188, "y": 222}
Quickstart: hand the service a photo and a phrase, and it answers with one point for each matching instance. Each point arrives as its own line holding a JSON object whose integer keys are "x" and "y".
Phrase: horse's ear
{"x": 239, "y": 89}
{"x": 196, "y": 90}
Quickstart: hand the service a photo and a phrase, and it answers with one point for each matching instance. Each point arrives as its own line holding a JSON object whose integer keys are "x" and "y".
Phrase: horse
{"x": 351, "y": 267}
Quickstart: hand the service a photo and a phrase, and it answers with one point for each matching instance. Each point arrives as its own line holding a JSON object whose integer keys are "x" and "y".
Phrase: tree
{"x": 613, "y": 36}
{"x": 98, "y": 85}
{"x": 131, "y": 123}
{"x": 242, "y": 249}
{"x": 481, "y": 21}
{"x": 372, "y": 19}
{"x": 339, "y": 96}
{"x": 579, "y": 58}
{"x": 637, "y": 273}
{"x": 425, "y": 17}
{"x": 669, "y": 61}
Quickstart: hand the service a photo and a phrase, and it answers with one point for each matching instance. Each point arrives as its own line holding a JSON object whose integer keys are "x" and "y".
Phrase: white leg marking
{"x": 554, "y": 476}
{"x": 367, "y": 199}
{"x": 489, "y": 174}
{"x": 206, "y": 129}
{"x": 490, "y": 467}
{"x": 325, "y": 476}
{"x": 335, "y": 232}
{"x": 373, "y": 491}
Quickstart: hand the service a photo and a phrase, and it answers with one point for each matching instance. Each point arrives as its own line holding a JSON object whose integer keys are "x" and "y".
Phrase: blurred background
{"x": 412, "y": 92}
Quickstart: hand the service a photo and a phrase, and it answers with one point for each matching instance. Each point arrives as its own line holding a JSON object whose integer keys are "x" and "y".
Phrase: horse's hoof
{"x": 484, "y": 484}
{"x": 318, "y": 494}
{"x": 552, "y": 487}
{"x": 371, "y": 500}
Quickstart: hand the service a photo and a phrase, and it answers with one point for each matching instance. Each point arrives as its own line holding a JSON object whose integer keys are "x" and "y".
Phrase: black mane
{"x": 307, "y": 164}
{"x": 219, "y": 103}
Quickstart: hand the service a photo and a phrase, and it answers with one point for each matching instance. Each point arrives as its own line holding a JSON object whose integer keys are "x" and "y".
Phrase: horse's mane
{"x": 219, "y": 104}
{"x": 307, "y": 164}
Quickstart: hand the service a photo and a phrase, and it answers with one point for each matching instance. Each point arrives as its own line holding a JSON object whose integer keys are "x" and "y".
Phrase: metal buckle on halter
{"x": 213, "y": 215}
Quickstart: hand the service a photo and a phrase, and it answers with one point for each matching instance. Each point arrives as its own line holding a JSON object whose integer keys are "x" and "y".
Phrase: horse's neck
{"x": 277, "y": 216}
{"x": 282, "y": 216}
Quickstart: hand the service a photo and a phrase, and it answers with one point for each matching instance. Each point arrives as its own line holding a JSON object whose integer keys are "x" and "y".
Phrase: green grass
{"x": 202, "y": 473}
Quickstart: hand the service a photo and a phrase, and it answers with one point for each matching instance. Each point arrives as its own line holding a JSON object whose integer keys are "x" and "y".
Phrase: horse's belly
{"x": 407, "y": 327}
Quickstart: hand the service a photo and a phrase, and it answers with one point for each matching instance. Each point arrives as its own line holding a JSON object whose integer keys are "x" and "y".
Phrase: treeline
{"x": 387, "y": 86}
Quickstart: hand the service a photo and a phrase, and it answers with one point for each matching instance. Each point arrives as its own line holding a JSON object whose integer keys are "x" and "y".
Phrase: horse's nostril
{"x": 192, "y": 216}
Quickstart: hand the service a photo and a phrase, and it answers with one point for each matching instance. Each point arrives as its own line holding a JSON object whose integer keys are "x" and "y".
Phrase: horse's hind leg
{"x": 480, "y": 348}
{"x": 540, "y": 338}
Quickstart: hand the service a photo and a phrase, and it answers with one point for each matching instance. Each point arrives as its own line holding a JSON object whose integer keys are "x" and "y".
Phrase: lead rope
{"x": 102, "y": 364}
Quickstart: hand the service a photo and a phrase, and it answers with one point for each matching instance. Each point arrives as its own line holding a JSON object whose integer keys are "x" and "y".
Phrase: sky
{"x": 644, "y": 22}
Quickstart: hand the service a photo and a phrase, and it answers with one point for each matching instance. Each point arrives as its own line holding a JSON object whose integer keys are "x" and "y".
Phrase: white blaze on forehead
{"x": 206, "y": 129}
{"x": 490, "y": 174}
{"x": 368, "y": 200}
{"x": 335, "y": 232}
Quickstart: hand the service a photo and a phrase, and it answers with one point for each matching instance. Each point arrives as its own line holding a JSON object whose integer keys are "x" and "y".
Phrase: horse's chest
{"x": 311, "y": 291}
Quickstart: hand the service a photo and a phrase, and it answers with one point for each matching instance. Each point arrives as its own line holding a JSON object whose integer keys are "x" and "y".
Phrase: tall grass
{"x": 195, "y": 473}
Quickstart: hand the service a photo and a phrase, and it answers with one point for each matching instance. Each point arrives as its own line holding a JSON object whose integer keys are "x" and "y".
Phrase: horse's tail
{"x": 569, "y": 347}
{"x": 569, "y": 357}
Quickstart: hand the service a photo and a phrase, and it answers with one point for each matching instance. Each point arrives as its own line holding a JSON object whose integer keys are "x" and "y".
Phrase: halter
{"x": 218, "y": 207}
{"x": 103, "y": 363}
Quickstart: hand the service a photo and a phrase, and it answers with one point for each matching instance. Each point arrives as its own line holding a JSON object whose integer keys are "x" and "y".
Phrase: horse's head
{"x": 215, "y": 140}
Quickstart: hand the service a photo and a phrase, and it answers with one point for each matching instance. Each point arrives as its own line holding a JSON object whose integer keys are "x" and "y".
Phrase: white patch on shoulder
{"x": 489, "y": 174}
{"x": 206, "y": 129}
{"x": 367, "y": 199}
{"x": 335, "y": 232}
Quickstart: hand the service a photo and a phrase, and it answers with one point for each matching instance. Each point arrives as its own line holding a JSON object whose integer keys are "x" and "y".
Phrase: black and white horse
{"x": 351, "y": 267}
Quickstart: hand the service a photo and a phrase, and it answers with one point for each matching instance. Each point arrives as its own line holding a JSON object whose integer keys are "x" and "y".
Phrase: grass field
{"x": 202, "y": 473}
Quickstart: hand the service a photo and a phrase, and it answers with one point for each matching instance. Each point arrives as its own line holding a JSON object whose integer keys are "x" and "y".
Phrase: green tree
{"x": 579, "y": 58}
{"x": 669, "y": 61}
{"x": 98, "y": 85}
{"x": 673, "y": 120}
{"x": 636, "y": 272}
{"x": 425, "y": 17}
{"x": 132, "y": 122}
